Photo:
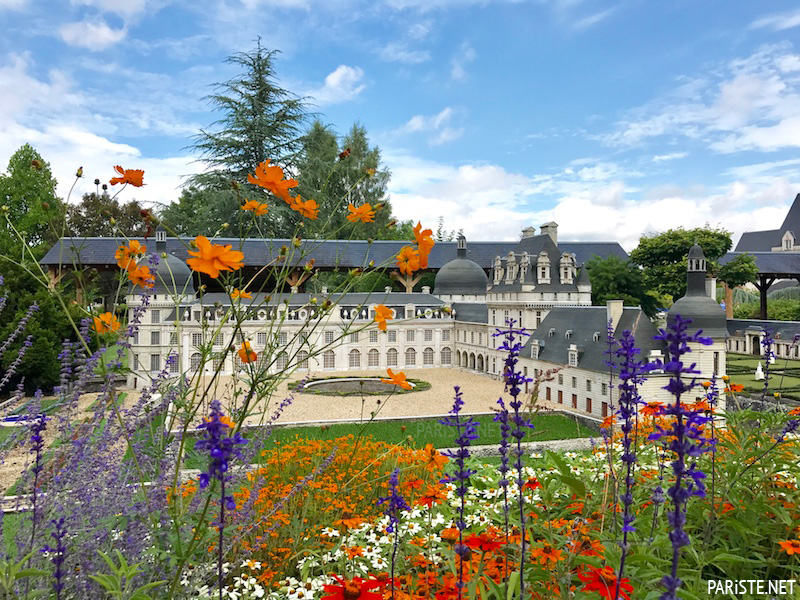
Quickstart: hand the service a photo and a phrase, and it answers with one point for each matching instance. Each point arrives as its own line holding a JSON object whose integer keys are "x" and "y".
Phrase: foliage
{"x": 615, "y": 279}
{"x": 780, "y": 309}
{"x": 662, "y": 256}
{"x": 120, "y": 582}
{"x": 739, "y": 271}
{"x": 100, "y": 215}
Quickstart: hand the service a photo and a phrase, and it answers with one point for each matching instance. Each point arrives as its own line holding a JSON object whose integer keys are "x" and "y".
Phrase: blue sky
{"x": 611, "y": 118}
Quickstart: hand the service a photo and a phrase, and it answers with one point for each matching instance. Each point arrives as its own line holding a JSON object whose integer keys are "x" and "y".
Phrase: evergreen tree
{"x": 92, "y": 217}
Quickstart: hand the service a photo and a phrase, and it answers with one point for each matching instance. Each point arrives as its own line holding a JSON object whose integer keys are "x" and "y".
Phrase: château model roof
{"x": 764, "y": 241}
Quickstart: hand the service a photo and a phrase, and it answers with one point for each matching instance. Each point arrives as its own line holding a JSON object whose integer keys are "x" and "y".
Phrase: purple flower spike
{"x": 394, "y": 504}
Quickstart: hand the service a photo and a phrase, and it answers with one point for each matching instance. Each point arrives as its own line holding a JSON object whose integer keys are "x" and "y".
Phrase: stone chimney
{"x": 551, "y": 229}
{"x": 388, "y": 289}
{"x": 528, "y": 232}
{"x": 613, "y": 312}
{"x": 426, "y": 289}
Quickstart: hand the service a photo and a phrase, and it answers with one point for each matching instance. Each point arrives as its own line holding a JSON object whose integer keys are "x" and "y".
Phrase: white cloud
{"x": 670, "y": 156}
{"x": 343, "y": 84}
{"x": 587, "y": 22}
{"x": 13, "y": 4}
{"x": 438, "y": 127}
{"x": 778, "y": 22}
{"x": 124, "y": 8}
{"x": 399, "y": 52}
{"x": 465, "y": 55}
{"x": 93, "y": 35}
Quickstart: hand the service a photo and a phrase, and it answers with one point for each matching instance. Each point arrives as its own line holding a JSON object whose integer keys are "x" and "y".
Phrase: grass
{"x": 784, "y": 375}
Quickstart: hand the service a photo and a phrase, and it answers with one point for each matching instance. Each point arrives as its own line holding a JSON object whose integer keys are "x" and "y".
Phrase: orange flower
{"x": 408, "y": 260}
{"x": 126, "y": 255}
{"x": 309, "y": 208}
{"x": 734, "y": 387}
{"x": 354, "y": 551}
{"x": 790, "y": 547}
{"x": 382, "y": 314}
{"x": 608, "y": 421}
{"x": 413, "y": 484}
{"x": 257, "y": 207}
{"x": 213, "y": 258}
{"x": 424, "y": 244}
{"x": 431, "y": 458}
{"x": 271, "y": 179}
{"x": 546, "y": 553}
{"x": 794, "y": 412}
{"x": 350, "y": 522}
{"x": 587, "y": 546}
{"x": 432, "y": 495}
{"x": 364, "y": 213}
{"x": 238, "y": 294}
{"x": 450, "y": 534}
{"x": 106, "y": 323}
{"x": 485, "y": 542}
{"x": 355, "y": 589}
{"x": 132, "y": 176}
{"x": 604, "y": 582}
{"x": 142, "y": 276}
{"x": 652, "y": 409}
{"x": 397, "y": 379}
{"x": 247, "y": 354}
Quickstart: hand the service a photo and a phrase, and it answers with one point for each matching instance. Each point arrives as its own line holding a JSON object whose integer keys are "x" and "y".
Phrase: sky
{"x": 613, "y": 118}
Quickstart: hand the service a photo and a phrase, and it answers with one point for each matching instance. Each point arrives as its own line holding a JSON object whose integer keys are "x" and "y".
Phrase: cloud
{"x": 398, "y": 52}
{"x": 13, "y": 4}
{"x": 91, "y": 35}
{"x": 438, "y": 127}
{"x": 465, "y": 55}
{"x": 778, "y": 22}
{"x": 126, "y": 9}
{"x": 343, "y": 84}
{"x": 670, "y": 156}
{"x": 587, "y": 22}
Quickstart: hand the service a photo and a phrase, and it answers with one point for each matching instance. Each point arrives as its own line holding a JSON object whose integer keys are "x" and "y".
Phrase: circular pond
{"x": 357, "y": 386}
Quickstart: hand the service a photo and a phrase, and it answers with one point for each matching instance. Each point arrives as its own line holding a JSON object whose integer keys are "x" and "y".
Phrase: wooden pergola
{"x": 772, "y": 267}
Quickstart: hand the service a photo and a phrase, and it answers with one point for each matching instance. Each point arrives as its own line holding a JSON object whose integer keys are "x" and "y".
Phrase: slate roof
{"x": 584, "y": 322}
{"x": 471, "y": 312}
{"x": 784, "y": 263}
{"x": 763, "y": 241}
{"x": 99, "y": 251}
{"x": 784, "y": 330}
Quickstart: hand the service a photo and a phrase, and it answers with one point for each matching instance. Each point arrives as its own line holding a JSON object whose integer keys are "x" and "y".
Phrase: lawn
{"x": 784, "y": 375}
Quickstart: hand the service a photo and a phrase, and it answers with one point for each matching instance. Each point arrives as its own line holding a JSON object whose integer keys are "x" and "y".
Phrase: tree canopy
{"x": 615, "y": 279}
{"x": 92, "y": 217}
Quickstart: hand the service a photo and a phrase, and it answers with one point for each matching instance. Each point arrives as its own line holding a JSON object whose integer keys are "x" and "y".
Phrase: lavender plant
{"x": 395, "y": 503}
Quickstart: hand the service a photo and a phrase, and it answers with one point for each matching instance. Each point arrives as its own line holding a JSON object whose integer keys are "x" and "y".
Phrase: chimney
{"x": 324, "y": 290}
{"x": 551, "y": 229}
{"x": 711, "y": 288}
{"x": 426, "y": 289}
{"x": 528, "y": 232}
{"x": 613, "y": 312}
{"x": 387, "y": 289}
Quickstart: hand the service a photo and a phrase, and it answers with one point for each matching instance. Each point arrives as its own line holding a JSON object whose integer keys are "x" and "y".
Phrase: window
{"x": 373, "y": 358}
{"x": 195, "y": 361}
{"x": 155, "y": 362}
{"x": 173, "y": 338}
{"x": 604, "y": 408}
{"x": 283, "y": 338}
{"x": 218, "y": 362}
{"x": 197, "y": 339}
{"x": 447, "y": 356}
{"x": 155, "y": 316}
{"x": 428, "y": 335}
{"x": 547, "y": 392}
{"x": 283, "y": 361}
{"x": 392, "y": 337}
{"x": 494, "y": 317}
{"x": 445, "y": 335}
{"x": 174, "y": 367}
{"x": 427, "y": 356}
{"x": 302, "y": 359}
{"x": 604, "y": 389}
{"x": 588, "y": 405}
{"x": 410, "y": 335}
{"x": 574, "y": 400}
{"x": 560, "y": 397}
{"x": 261, "y": 339}
{"x": 391, "y": 357}
{"x": 136, "y": 339}
{"x": 373, "y": 337}
{"x": 480, "y": 339}
{"x": 588, "y": 385}
{"x": 329, "y": 358}
{"x": 534, "y": 350}
{"x": 573, "y": 359}
{"x": 197, "y": 315}
{"x": 135, "y": 362}
{"x": 219, "y": 340}
{"x": 355, "y": 359}
{"x": 471, "y": 337}
{"x": 155, "y": 338}
{"x": 716, "y": 363}
{"x": 328, "y": 337}
{"x": 560, "y": 379}
{"x": 354, "y": 338}
{"x": 538, "y": 318}
{"x": 574, "y": 382}
{"x": 411, "y": 357}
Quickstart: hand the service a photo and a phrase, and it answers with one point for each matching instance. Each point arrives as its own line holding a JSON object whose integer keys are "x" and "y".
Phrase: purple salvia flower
{"x": 394, "y": 504}
{"x": 23, "y": 322}
{"x": 17, "y": 361}
{"x": 37, "y": 423}
{"x": 58, "y": 554}
{"x": 769, "y": 356}
{"x": 503, "y": 418}
{"x": 686, "y": 442}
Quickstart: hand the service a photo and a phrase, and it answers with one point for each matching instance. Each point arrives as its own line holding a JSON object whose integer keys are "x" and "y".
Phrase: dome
{"x": 173, "y": 276}
{"x": 460, "y": 276}
{"x": 704, "y": 313}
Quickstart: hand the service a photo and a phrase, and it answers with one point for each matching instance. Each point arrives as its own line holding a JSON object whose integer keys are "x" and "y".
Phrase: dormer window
{"x": 568, "y": 334}
{"x": 552, "y": 332}
{"x": 573, "y": 358}
{"x": 596, "y": 336}
{"x": 535, "y": 349}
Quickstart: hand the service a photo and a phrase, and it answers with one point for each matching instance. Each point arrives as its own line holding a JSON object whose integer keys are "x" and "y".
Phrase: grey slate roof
{"x": 786, "y": 263}
{"x": 584, "y": 322}
{"x": 99, "y": 251}
{"x": 762, "y": 241}
{"x": 783, "y": 330}
{"x": 471, "y": 312}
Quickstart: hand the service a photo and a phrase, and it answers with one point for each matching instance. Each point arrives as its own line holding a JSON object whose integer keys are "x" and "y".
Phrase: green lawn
{"x": 784, "y": 375}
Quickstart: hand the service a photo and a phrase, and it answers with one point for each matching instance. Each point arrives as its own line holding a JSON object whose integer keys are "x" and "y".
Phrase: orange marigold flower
{"x": 106, "y": 323}
{"x": 382, "y": 314}
{"x": 239, "y": 294}
{"x": 126, "y": 255}
{"x": 271, "y": 179}
{"x": 408, "y": 260}
{"x": 546, "y": 554}
{"x": 350, "y": 522}
{"x": 450, "y": 534}
{"x": 132, "y": 176}
{"x": 354, "y": 589}
{"x": 397, "y": 379}
{"x": 142, "y": 276}
{"x": 364, "y": 213}
{"x": 213, "y": 258}
{"x": 257, "y": 207}
{"x": 604, "y": 582}
{"x": 790, "y": 547}
{"x": 706, "y": 384}
{"x": 247, "y": 354}
{"x": 309, "y": 208}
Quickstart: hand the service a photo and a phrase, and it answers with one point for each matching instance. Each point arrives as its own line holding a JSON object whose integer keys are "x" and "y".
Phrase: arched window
{"x": 471, "y": 361}
{"x": 411, "y": 357}
{"x": 195, "y": 361}
{"x": 446, "y": 356}
{"x": 355, "y": 359}
{"x": 302, "y": 359}
{"x": 283, "y": 361}
{"x": 329, "y": 360}
{"x": 373, "y": 358}
{"x": 391, "y": 357}
{"x": 427, "y": 356}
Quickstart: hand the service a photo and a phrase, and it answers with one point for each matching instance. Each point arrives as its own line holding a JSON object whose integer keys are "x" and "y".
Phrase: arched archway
{"x": 471, "y": 360}
{"x": 480, "y": 362}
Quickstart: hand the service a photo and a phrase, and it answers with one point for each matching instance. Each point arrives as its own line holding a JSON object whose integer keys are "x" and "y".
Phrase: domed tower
{"x": 461, "y": 280}
{"x": 705, "y": 314}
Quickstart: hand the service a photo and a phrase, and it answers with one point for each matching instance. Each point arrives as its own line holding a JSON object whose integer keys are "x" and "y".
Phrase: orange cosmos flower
{"x": 587, "y": 546}
{"x": 432, "y": 495}
{"x": 126, "y": 255}
{"x": 309, "y": 208}
{"x": 790, "y": 547}
{"x": 546, "y": 554}
{"x": 413, "y": 484}
{"x": 271, "y": 179}
{"x": 213, "y": 258}
{"x": 431, "y": 458}
{"x": 364, "y": 213}
{"x": 652, "y": 409}
{"x": 238, "y": 294}
{"x": 608, "y": 421}
{"x": 132, "y": 176}
{"x": 382, "y": 314}
{"x": 397, "y": 379}
{"x": 408, "y": 260}
{"x": 106, "y": 323}
{"x": 142, "y": 276}
{"x": 247, "y": 354}
{"x": 734, "y": 387}
{"x": 257, "y": 207}
{"x": 425, "y": 244}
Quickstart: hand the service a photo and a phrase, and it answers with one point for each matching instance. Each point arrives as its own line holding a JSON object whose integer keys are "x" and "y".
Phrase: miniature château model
{"x": 541, "y": 287}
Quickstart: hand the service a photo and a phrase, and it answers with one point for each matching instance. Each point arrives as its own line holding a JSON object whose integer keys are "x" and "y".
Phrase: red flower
{"x": 354, "y": 589}
{"x": 604, "y": 582}
{"x": 484, "y": 542}
{"x": 531, "y": 484}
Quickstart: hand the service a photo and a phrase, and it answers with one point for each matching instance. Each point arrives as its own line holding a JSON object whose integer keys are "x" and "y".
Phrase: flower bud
{"x": 97, "y": 182}
{"x": 297, "y": 242}
{"x": 113, "y": 221}
{"x": 284, "y": 250}
{"x": 79, "y": 172}
{"x": 225, "y": 225}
